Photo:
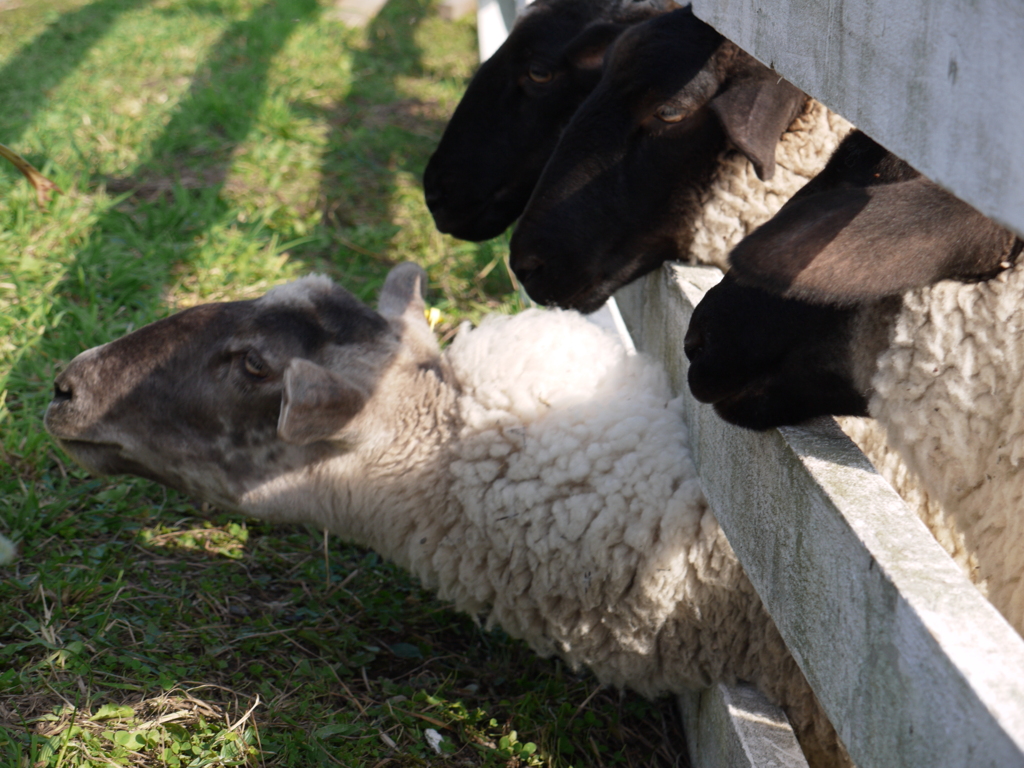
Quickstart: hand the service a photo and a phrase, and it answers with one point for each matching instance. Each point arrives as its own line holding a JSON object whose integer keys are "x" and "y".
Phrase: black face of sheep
{"x": 617, "y": 196}
{"x": 507, "y": 124}
{"x": 795, "y": 328}
{"x": 245, "y": 390}
{"x": 764, "y": 379}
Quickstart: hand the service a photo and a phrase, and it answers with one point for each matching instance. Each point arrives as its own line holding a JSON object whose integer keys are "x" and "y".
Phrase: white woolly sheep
{"x": 534, "y": 474}
{"x": 875, "y": 292}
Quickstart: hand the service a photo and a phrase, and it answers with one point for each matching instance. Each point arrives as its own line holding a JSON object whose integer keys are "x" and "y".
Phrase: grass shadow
{"x": 176, "y": 192}
{"x": 195, "y": 151}
{"x": 118, "y": 277}
{"x": 27, "y": 79}
{"x": 381, "y": 138}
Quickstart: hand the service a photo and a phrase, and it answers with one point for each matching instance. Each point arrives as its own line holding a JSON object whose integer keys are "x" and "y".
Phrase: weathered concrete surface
{"x": 494, "y": 19}
{"x": 355, "y": 13}
{"x": 734, "y": 726}
{"x": 912, "y": 665}
{"x": 938, "y": 82}
{"x": 456, "y": 9}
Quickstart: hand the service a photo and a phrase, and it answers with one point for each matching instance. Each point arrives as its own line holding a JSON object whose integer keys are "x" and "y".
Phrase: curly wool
{"x": 580, "y": 525}
{"x": 737, "y": 202}
{"x": 870, "y": 436}
{"x": 949, "y": 391}
{"x": 586, "y": 532}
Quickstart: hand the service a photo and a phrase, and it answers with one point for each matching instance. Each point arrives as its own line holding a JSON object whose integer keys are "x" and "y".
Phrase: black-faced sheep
{"x": 648, "y": 169}
{"x": 506, "y": 126}
{"x": 534, "y": 473}
{"x": 876, "y": 292}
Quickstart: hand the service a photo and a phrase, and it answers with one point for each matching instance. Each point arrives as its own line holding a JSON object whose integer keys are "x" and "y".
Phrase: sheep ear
{"x": 587, "y": 49}
{"x": 401, "y": 302}
{"x": 755, "y": 110}
{"x": 316, "y": 404}
{"x": 848, "y": 245}
{"x": 402, "y": 293}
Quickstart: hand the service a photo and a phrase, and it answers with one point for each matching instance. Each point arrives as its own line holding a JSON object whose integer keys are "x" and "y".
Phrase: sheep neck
{"x": 948, "y": 389}
{"x": 736, "y": 202}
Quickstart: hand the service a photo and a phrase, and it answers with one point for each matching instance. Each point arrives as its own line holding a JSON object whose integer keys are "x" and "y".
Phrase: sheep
{"x": 534, "y": 474}
{"x": 492, "y": 152}
{"x": 686, "y": 145}
{"x": 876, "y": 293}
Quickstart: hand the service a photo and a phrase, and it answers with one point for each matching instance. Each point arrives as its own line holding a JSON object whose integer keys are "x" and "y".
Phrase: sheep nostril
{"x": 693, "y": 344}
{"x": 528, "y": 268}
{"x": 61, "y": 391}
{"x": 433, "y": 197}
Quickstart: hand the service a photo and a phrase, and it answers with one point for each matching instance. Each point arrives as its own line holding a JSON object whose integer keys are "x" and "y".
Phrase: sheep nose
{"x": 527, "y": 268}
{"x": 435, "y": 185}
{"x": 433, "y": 197}
{"x": 693, "y": 344}
{"x": 62, "y": 390}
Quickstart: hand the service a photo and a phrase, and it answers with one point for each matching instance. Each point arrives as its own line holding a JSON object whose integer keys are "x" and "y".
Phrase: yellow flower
{"x": 433, "y": 317}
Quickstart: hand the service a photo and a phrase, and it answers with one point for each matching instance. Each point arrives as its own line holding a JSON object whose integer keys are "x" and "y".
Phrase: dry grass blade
{"x": 42, "y": 185}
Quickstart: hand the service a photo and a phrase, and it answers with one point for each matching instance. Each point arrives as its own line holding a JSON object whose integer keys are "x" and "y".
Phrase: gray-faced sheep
{"x": 876, "y": 292}
{"x": 676, "y": 155}
{"x": 534, "y": 473}
{"x": 506, "y": 126}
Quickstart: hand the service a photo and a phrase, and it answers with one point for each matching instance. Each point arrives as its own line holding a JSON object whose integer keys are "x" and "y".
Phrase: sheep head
{"x": 796, "y": 327}
{"x": 506, "y": 126}
{"x": 220, "y": 399}
{"x": 620, "y": 193}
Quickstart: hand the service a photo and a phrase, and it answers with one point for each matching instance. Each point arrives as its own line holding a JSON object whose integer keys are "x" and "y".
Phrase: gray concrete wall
{"x": 734, "y": 726}
{"x": 938, "y": 82}
{"x": 494, "y": 19}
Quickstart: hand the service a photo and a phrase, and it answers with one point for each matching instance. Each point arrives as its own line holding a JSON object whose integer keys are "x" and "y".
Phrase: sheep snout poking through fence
{"x": 918, "y": 303}
{"x": 685, "y": 146}
{"x": 535, "y": 474}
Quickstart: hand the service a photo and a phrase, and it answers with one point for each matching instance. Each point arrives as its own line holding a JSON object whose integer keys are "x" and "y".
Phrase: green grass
{"x": 210, "y": 149}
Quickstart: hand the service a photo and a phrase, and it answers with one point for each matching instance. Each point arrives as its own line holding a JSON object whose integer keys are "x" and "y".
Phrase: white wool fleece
{"x": 580, "y": 496}
{"x": 950, "y": 392}
{"x": 737, "y": 202}
{"x": 583, "y": 528}
{"x": 870, "y": 436}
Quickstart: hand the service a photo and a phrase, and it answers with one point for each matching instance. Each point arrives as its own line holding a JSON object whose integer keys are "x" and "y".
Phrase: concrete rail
{"x": 938, "y": 82}
{"x": 913, "y": 666}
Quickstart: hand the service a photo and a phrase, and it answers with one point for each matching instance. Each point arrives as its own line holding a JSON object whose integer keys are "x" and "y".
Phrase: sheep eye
{"x": 255, "y": 365}
{"x": 539, "y": 74}
{"x": 670, "y": 113}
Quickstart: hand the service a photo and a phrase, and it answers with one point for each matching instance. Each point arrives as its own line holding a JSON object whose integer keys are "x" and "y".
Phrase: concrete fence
{"x": 913, "y": 666}
{"x": 938, "y": 82}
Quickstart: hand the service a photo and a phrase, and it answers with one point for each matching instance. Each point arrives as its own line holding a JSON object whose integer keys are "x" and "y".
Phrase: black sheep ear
{"x": 755, "y": 109}
{"x": 587, "y": 49}
{"x": 844, "y": 246}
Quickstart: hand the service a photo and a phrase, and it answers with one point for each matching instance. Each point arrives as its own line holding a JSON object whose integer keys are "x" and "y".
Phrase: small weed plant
{"x": 208, "y": 150}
